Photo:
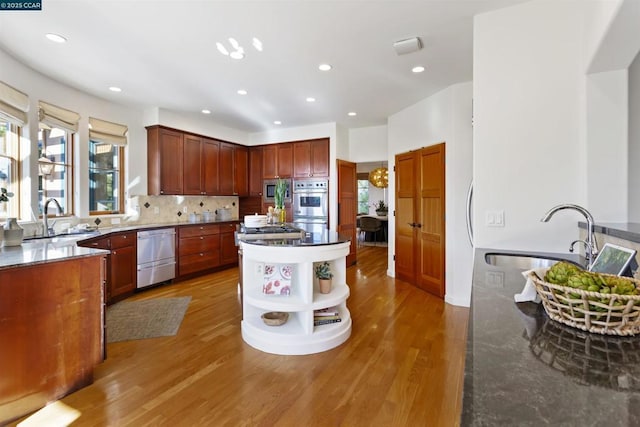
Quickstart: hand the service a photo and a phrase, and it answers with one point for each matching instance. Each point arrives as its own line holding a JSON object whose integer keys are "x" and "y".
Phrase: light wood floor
{"x": 402, "y": 366}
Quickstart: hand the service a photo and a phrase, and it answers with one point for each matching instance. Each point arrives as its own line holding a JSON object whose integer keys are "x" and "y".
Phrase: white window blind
{"x": 107, "y": 132}
{"x": 51, "y": 116}
{"x": 13, "y": 105}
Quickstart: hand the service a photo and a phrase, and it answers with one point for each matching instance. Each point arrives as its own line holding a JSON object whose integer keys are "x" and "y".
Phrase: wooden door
{"x": 302, "y": 159}
{"x": 241, "y": 171}
{"x": 420, "y": 218}
{"x": 210, "y": 162}
{"x": 320, "y": 158}
{"x": 431, "y": 220}
{"x": 192, "y": 154}
{"x": 225, "y": 170}
{"x": 405, "y": 217}
{"x": 255, "y": 172}
{"x": 348, "y": 205}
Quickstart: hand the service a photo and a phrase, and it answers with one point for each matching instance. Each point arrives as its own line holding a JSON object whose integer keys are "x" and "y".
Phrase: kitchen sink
{"x": 521, "y": 261}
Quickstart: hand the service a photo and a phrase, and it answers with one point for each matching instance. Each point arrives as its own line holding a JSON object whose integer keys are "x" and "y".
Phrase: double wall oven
{"x": 311, "y": 204}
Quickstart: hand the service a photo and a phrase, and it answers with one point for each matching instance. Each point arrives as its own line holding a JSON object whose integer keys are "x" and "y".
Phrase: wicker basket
{"x": 574, "y": 307}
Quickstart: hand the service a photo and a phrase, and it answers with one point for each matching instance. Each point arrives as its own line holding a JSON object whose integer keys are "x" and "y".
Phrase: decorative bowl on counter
{"x": 275, "y": 318}
{"x": 255, "y": 221}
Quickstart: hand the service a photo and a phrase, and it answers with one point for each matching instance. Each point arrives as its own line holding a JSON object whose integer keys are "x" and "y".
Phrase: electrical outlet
{"x": 259, "y": 268}
{"x": 115, "y": 220}
{"x": 184, "y": 209}
{"x": 156, "y": 210}
{"x": 494, "y": 279}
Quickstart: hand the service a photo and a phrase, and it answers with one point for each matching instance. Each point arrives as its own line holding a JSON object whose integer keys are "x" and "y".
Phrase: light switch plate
{"x": 494, "y": 218}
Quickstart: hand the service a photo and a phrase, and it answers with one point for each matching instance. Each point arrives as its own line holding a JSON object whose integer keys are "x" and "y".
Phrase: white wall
{"x": 443, "y": 117}
{"x": 529, "y": 148}
{"x": 198, "y": 123}
{"x": 40, "y": 87}
{"x": 634, "y": 141}
{"x": 368, "y": 144}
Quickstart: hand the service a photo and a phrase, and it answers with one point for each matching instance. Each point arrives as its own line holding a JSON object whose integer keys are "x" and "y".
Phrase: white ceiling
{"x": 163, "y": 54}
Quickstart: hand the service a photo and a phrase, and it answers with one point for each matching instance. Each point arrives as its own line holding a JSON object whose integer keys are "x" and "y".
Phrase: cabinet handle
{"x": 201, "y": 254}
{"x": 124, "y": 237}
{"x": 201, "y": 238}
{"x": 115, "y": 252}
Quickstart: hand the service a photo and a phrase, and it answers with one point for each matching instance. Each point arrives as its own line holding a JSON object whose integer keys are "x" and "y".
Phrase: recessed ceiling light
{"x": 115, "y": 89}
{"x": 257, "y": 44}
{"x": 223, "y": 50}
{"x": 310, "y": 99}
{"x": 242, "y": 92}
{"x": 206, "y": 112}
{"x": 324, "y": 67}
{"x": 352, "y": 113}
{"x": 236, "y": 54}
{"x": 56, "y": 38}
{"x": 418, "y": 69}
{"x": 277, "y": 122}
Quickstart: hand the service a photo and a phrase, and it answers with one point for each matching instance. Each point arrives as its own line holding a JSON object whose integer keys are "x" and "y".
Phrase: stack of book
{"x": 325, "y": 316}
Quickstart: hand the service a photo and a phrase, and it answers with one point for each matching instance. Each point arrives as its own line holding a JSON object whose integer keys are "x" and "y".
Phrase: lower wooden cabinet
{"x": 228, "y": 248}
{"x": 121, "y": 263}
{"x": 198, "y": 248}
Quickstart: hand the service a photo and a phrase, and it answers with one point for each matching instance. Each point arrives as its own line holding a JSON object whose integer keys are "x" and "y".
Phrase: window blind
{"x": 107, "y": 132}
{"x": 13, "y": 105}
{"x": 53, "y": 116}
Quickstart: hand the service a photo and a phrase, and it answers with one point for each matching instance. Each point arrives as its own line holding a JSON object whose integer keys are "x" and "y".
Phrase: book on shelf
{"x": 318, "y": 322}
{"x": 337, "y": 316}
{"x": 328, "y": 311}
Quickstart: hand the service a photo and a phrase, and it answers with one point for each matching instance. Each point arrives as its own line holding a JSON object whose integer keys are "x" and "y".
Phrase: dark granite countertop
{"x": 325, "y": 237}
{"x": 524, "y": 369}
{"x": 622, "y": 230}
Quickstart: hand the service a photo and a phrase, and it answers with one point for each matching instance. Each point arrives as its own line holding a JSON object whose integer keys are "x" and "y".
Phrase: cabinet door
{"x": 285, "y": 160}
{"x": 123, "y": 271}
{"x": 302, "y": 159}
{"x": 210, "y": 162}
{"x": 192, "y": 154}
{"x": 255, "y": 171}
{"x": 225, "y": 170}
{"x": 319, "y": 161}
{"x": 170, "y": 153}
{"x": 241, "y": 171}
{"x": 269, "y": 162}
{"x": 228, "y": 248}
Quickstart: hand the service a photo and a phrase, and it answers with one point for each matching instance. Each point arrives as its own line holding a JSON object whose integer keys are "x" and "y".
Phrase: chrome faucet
{"x": 49, "y": 231}
{"x": 591, "y": 244}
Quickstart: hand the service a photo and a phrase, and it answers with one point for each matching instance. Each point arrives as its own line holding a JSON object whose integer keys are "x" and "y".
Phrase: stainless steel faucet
{"x": 591, "y": 244}
{"x": 49, "y": 231}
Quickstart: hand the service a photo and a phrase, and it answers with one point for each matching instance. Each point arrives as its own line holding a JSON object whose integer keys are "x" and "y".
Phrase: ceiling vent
{"x": 407, "y": 45}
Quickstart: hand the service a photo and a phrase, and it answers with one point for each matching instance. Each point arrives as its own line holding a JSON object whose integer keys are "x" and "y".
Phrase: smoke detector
{"x": 407, "y": 45}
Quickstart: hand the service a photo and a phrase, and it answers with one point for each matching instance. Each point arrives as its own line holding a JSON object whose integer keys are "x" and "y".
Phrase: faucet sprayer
{"x": 591, "y": 244}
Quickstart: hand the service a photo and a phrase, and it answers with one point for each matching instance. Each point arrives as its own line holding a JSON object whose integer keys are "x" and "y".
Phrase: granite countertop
{"x": 62, "y": 246}
{"x": 622, "y": 230}
{"x": 311, "y": 239}
{"x": 524, "y": 369}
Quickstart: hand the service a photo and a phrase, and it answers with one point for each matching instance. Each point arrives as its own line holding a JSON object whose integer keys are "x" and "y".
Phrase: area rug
{"x": 136, "y": 320}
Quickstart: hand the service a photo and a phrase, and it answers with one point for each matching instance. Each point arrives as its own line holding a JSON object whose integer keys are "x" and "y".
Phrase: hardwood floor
{"x": 402, "y": 366}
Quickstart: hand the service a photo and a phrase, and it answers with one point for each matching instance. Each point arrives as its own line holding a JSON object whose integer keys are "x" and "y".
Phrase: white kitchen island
{"x": 291, "y": 262}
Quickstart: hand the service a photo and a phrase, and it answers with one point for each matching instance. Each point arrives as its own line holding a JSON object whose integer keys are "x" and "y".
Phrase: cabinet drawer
{"x": 194, "y": 245}
{"x": 199, "y": 230}
{"x": 228, "y": 228}
{"x": 122, "y": 240}
{"x": 201, "y": 261}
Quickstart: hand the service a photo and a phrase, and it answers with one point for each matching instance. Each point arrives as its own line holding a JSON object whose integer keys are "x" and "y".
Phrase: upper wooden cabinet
{"x": 311, "y": 158}
{"x": 225, "y": 169}
{"x": 192, "y": 164}
{"x": 233, "y": 170}
{"x": 164, "y": 161}
{"x": 210, "y": 162}
{"x": 255, "y": 171}
{"x": 277, "y": 161}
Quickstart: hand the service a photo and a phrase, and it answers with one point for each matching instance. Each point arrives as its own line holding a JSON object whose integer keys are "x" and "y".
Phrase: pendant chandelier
{"x": 379, "y": 177}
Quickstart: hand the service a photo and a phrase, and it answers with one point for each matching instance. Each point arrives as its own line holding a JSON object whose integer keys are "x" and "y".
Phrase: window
{"x": 363, "y": 196}
{"x": 9, "y": 137}
{"x": 106, "y": 162}
{"x": 55, "y": 144}
{"x": 105, "y": 179}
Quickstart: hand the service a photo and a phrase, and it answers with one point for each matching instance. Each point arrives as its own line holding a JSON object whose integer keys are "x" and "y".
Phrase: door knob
{"x": 412, "y": 224}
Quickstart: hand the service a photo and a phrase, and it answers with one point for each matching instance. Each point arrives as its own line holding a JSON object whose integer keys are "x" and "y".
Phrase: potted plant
{"x": 324, "y": 275}
{"x": 278, "y": 197}
{"x": 11, "y": 233}
{"x": 381, "y": 208}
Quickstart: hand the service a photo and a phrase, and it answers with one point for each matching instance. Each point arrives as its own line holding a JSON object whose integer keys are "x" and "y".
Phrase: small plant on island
{"x": 323, "y": 272}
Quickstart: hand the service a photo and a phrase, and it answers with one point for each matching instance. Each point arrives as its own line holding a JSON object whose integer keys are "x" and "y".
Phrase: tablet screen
{"x": 613, "y": 259}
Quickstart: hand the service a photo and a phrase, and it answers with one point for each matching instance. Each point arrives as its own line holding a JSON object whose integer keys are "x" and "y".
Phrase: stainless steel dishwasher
{"x": 156, "y": 256}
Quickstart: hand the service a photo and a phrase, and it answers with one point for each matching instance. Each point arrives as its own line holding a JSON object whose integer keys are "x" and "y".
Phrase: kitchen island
{"x": 278, "y": 275}
{"x": 51, "y": 322}
{"x": 524, "y": 369}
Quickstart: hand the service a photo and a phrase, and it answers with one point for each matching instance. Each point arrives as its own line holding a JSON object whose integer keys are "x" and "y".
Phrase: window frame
{"x": 121, "y": 182}
{"x": 70, "y": 171}
{"x": 15, "y": 180}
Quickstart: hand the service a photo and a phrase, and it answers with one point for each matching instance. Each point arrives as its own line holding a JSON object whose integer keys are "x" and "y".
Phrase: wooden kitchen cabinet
{"x": 225, "y": 169}
{"x": 192, "y": 165}
{"x": 164, "y": 161}
{"x": 255, "y": 172}
{"x": 241, "y": 171}
{"x": 198, "y": 248}
{"x": 228, "y": 248}
{"x": 210, "y": 162}
{"x": 121, "y": 263}
{"x": 277, "y": 161}
{"x": 311, "y": 158}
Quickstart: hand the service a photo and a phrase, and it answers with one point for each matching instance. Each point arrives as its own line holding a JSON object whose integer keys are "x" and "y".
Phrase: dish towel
{"x": 529, "y": 291}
